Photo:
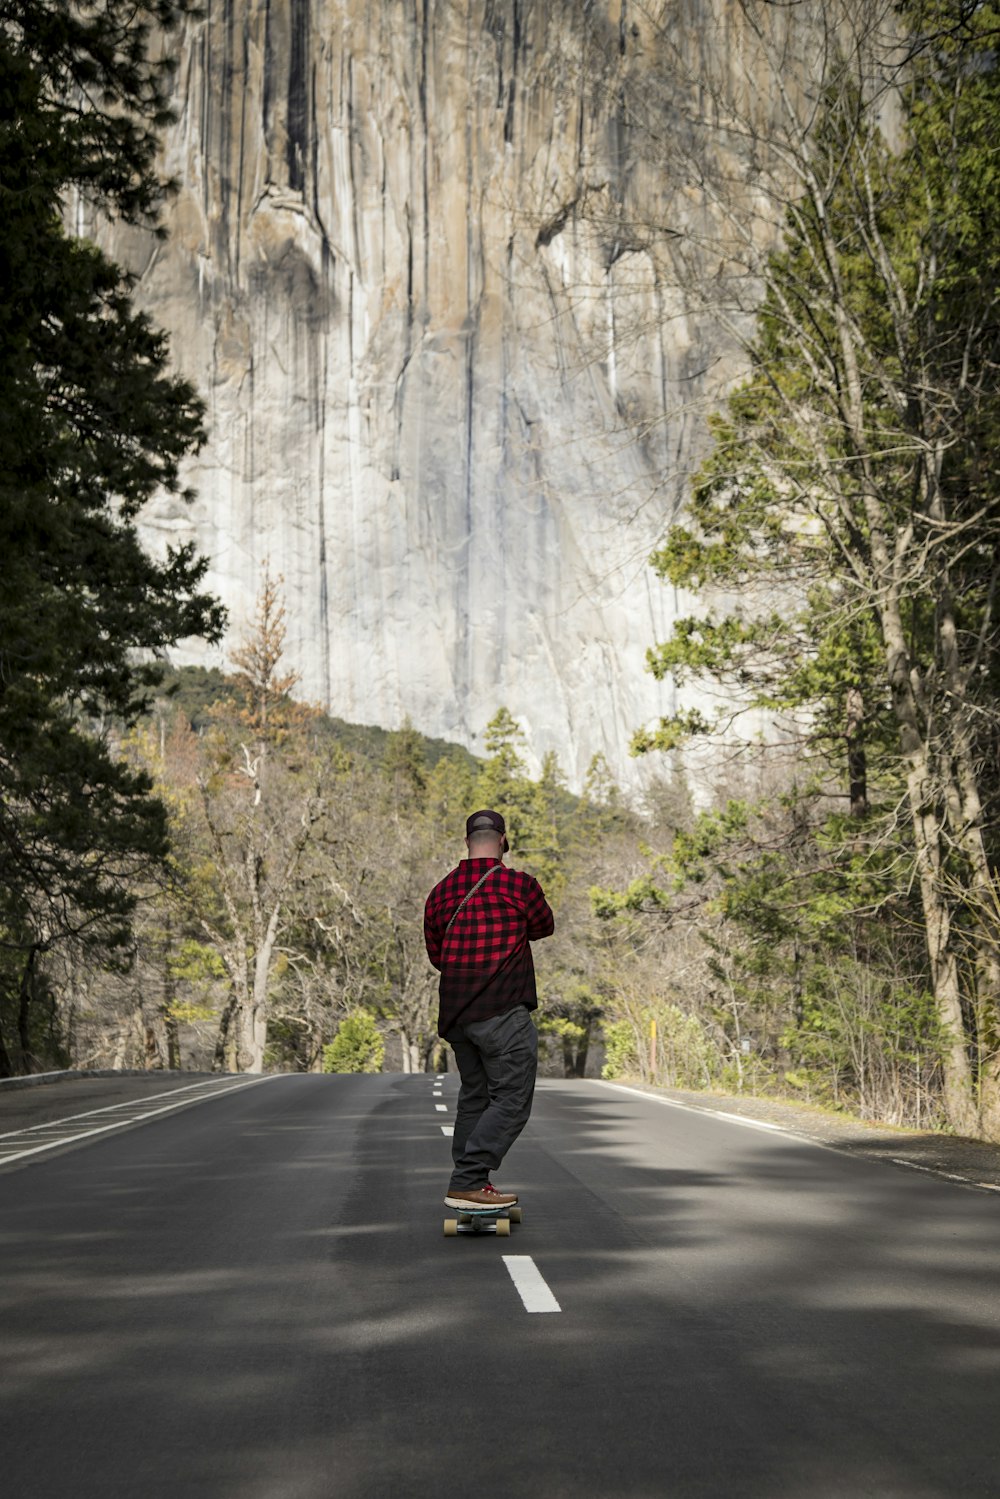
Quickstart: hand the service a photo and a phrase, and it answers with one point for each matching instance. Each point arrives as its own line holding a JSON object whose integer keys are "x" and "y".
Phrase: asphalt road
{"x": 252, "y": 1298}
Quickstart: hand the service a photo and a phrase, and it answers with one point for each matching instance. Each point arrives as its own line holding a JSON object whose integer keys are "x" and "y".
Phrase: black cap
{"x": 481, "y": 822}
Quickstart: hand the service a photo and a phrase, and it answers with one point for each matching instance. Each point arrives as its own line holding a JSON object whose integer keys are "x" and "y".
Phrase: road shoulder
{"x": 974, "y": 1163}
{"x": 22, "y": 1108}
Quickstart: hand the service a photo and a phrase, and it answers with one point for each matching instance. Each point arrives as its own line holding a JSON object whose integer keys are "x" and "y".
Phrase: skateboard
{"x": 483, "y": 1221}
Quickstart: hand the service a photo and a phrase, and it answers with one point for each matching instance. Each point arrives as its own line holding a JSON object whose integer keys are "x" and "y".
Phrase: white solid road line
{"x": 216, "y": 1082}
{"x": 692, "y": 1108}
{"x": 72, "y": 1136}
{"x": 779, "y": 1129}
{"x": 530, "y": 1284}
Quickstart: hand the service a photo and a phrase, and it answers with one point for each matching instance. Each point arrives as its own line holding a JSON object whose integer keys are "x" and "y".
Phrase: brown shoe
{"x": 482, "y": 1197}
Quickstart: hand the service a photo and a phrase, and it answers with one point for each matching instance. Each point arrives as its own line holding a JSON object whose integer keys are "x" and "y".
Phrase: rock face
{"x": 449, "y": 397}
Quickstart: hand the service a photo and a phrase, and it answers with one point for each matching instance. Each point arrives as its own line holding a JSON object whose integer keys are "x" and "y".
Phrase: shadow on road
{"x": 255, "y": 1300}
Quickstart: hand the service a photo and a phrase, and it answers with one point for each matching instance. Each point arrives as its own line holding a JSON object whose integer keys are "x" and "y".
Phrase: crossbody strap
{"x": 468, "y": 896}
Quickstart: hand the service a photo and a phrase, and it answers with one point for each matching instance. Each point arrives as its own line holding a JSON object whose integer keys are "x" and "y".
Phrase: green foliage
{"x": 571, "y": 1010}
{"x": 405, "y": 765}
{"x": 186, "y": 1012}
{"x": 503, "y": 778}
{"x": 196, "y": 963}
{"x": 620, "y": 1050}
{"x": 870, "y": 1037}
{"x": 92, "y": 423}
{"x": 841, "y": 540}
{"x": 685, "y": 1056}
{"x": 357, "y": 1046}
{"x": 779, "y": 507}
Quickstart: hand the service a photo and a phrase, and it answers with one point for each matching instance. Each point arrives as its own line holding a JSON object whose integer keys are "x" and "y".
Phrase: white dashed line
{"x": 530, "y": 1284}
{"x": 442, "y": 1108}
{"x": 447, "y": 1129}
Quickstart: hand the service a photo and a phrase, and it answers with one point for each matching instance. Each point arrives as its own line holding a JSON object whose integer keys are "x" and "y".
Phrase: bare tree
{"x": 257, "y": 802}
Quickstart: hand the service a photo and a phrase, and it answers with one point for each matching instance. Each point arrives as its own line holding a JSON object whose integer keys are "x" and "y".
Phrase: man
{"x": 478, "y": 922}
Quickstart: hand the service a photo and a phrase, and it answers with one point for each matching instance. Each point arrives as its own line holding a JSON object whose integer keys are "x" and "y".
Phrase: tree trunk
{"x": 965, "y": 813}
{"x": 987, "y": 939}
{"x": 959, "y": 1093}
{"x": 223, "y": 1043}
{"x": 173, "y": 1042}
{"x": 155, "y": 1047}
{"x": 857, "y": 763}
{"x": 580, "y": 1061}
{"x": 130, "y": 1046}
{"x": 958, "y": 1081}
{"x": 252, "y": 1038}
{"x": 253, "y": 1030}
{"x": 24, "y": 1010}
{"x": 171, "y": 1028}
{"x": 6, "y": 1065}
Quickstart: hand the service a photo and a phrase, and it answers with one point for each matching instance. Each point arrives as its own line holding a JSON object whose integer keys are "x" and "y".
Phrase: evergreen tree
{"x": 851, "y": 481}
{"x": 503, "y": 782}
{"x": 357, "y": 1046}
{"x": 405, "y": 765}
{"x": 91, "y": 425}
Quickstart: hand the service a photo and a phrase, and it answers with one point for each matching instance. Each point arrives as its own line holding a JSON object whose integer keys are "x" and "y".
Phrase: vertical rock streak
{"x": 436, "y": 385}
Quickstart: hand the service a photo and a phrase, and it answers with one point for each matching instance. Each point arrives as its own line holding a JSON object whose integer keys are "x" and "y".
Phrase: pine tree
{"x": 503, "y": 782}
{"x": 851, "y": 482}
{"x": 405, "y": 766}
{"x": 92, "y": 423}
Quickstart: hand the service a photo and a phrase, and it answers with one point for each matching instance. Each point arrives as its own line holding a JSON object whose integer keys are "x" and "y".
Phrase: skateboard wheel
{"x": 451, "y": 1228}
{"x": 515, "y": 1215}
{"x": 503, "y": 1228}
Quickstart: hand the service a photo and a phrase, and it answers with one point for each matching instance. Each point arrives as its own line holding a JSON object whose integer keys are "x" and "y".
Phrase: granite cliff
{"x": 451, "y": 398}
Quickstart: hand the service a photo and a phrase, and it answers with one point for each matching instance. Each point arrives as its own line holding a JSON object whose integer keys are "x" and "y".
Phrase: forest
{"x": 201, "y": 870}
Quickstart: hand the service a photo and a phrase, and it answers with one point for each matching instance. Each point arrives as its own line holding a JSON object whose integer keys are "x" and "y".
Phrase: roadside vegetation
{"x": 284, "y": 927}
{"x": 841, "y": 554}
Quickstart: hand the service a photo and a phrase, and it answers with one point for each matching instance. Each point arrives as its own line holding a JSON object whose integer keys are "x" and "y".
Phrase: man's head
{"x": 486, "y": 835}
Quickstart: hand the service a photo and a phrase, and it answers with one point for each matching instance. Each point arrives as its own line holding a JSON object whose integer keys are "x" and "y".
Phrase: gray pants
{"x": 497, "y": 1060}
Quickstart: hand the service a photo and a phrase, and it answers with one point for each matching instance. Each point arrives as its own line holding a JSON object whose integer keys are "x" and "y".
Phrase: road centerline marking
{"x": 530, "y": 1283}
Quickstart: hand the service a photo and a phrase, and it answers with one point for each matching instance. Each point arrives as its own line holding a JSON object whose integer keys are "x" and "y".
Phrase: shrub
{"x": 357, "y": 1046}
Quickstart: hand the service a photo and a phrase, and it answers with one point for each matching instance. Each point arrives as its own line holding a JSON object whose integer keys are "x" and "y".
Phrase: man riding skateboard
{"x": 478, "y": 923}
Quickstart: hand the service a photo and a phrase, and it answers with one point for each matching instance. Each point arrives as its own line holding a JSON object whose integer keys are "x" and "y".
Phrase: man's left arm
{"x": 541, "y": 922}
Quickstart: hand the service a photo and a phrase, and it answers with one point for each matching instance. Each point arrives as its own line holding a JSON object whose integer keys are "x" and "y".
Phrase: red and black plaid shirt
{"x": 485, "y": 960}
